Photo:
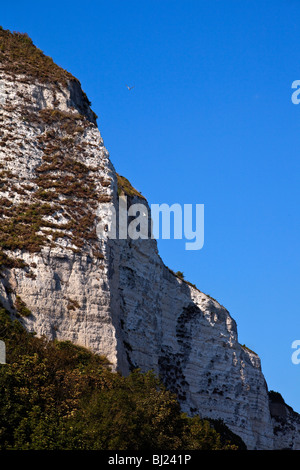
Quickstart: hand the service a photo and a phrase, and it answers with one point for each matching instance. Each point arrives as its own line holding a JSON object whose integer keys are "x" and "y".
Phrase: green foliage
{"x": 63, "y": 185}
{"x": 20, "y": 226}
{"x": 248, "y": 349}
{"x": 179, "y": 274}
{"x": 137, "y": 413}
{"x": 56, "y": 396}
{"x": 18, "y": 55}
{"x": 8, "y": 262}
{"x": 125, "y": 186}
{"x": 21, "y": 307}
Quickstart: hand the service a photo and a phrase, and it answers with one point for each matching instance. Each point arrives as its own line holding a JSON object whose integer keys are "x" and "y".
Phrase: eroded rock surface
{"x": 114, "y": 296}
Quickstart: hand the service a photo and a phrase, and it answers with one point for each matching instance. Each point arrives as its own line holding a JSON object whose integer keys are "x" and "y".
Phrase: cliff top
{"x": 125, "y": 186}
{"x": 19, "y": 56}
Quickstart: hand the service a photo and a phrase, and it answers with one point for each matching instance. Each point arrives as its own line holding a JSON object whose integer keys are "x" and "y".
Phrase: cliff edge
{"x": 116, "y": 297}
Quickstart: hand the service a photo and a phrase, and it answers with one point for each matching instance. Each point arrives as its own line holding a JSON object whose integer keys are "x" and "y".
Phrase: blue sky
{"x": 210, "y": 121}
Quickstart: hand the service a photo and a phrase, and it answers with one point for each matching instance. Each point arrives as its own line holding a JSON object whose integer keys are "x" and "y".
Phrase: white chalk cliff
{"x": 115, "y": 297}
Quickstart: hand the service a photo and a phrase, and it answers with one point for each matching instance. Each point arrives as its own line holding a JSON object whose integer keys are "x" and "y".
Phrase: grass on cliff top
{"x": 18, "y": 55}
{"x": 125, "y": 186}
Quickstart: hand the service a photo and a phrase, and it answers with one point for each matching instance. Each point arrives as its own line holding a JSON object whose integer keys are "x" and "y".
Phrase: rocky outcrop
{"x": 63, "y": 279}
{"x": 286, "y": 423}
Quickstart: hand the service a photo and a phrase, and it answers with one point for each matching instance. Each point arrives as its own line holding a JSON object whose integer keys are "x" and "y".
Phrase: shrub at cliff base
{"x": 55, "y": 395}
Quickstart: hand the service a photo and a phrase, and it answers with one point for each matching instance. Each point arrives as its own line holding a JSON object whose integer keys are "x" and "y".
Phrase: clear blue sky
{"x": 210, "y": 121}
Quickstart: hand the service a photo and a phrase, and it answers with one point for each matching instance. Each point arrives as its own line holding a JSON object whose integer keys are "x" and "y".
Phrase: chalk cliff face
{"x": 63, "y": 279}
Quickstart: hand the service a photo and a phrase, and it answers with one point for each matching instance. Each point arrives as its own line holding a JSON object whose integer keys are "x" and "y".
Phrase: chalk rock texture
{"x": 63, "y": 277}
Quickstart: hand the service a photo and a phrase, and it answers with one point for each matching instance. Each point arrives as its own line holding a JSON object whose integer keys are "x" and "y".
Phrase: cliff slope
{"x": 116, "y": 297}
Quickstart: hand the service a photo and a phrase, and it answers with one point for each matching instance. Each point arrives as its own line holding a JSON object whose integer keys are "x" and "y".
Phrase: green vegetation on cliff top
{"x": 19, "y": 56}
{"x": 125, "y": 186}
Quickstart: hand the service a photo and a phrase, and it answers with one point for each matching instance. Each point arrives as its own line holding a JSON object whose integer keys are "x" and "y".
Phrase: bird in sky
{"x": 130, "y": 87}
